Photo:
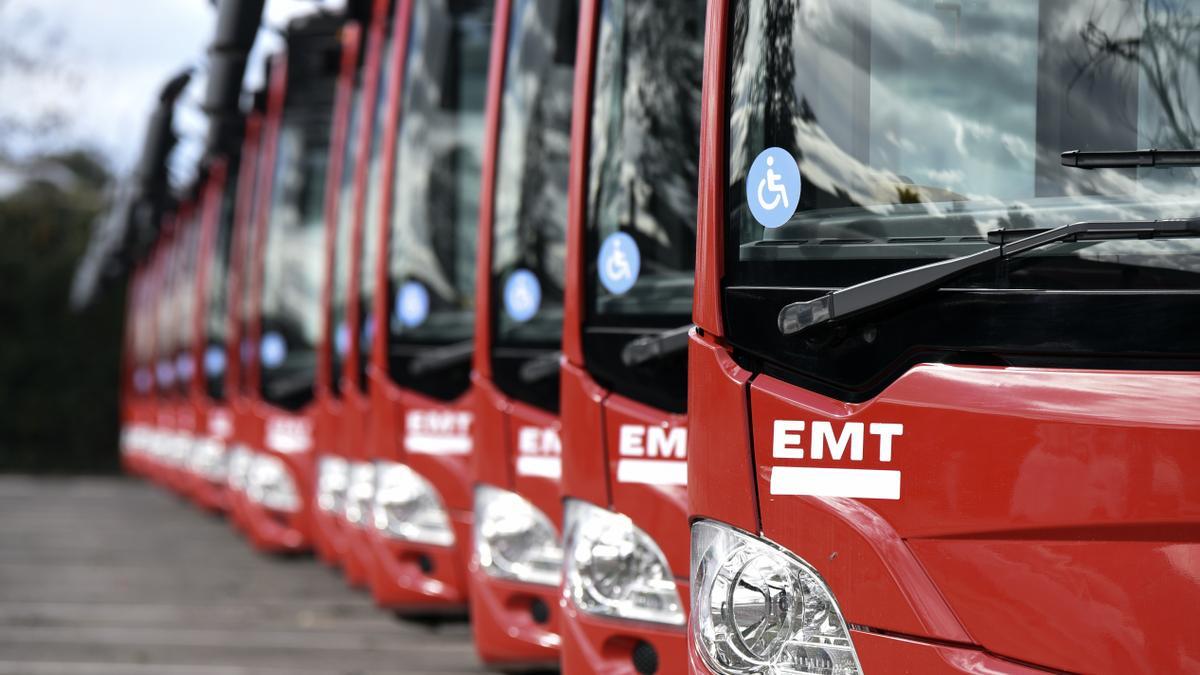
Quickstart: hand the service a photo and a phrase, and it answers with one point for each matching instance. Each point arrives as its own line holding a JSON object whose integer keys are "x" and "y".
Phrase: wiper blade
{"x": 438, "y": 358}
{"x": 800, "y": 316}
{"x": 1124, "y": 159}
{"x": 540, "y": 367}
{"x": 656, "y": 346}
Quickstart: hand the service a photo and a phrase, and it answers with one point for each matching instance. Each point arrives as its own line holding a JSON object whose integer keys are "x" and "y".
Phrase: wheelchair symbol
{"x": 771, "y": 183}
{"x": 773, "y": 187}
{"x": 522, "y": 295}
{"x": 620, "y": 263}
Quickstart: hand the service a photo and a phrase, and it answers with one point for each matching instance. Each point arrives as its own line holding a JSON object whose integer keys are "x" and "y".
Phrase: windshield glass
{"x": 216, "y": 315}
{"x": 869, "y": 137}
{"x": 182, "y": 303}
{"x": 343, "y": 246}
{"x": 435, "y": 209}
{"x": 293, "y": 261}
{"x": 645, "y": 145}
{"x": 371, "y": 214}
{"x": 529, "y": 224}
{"x": 246, "y": 233}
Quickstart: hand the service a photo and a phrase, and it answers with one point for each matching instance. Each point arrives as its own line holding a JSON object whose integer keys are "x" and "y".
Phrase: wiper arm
{"x": 1124, "y": 159}
{"x": 438, "y": 358}
{"x": 800, "y": 316}
{"x": 540, "y": 367}
{"x": 652, "y": 347}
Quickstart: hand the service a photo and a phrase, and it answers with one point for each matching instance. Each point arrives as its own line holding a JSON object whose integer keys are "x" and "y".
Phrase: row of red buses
{"x": 777, "y": 336}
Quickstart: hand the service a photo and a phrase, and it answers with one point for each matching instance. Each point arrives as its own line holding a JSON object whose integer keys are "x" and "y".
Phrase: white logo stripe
{"x": 544, "y": 467}
{"x": 652, "y": 472}
{"x": 434, "y": 444}
{"x": 853, "y": 483}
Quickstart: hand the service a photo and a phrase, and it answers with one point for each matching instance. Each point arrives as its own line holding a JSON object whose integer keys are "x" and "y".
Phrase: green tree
{"x": 58, "y": 369}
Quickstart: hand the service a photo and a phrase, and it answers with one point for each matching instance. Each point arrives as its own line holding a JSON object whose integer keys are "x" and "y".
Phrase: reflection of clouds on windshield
{"x": 293, "y": 267}
{"x": 645, "y": 128}
{"x": 534, "y": 145}
{"x": 437, "y": 157}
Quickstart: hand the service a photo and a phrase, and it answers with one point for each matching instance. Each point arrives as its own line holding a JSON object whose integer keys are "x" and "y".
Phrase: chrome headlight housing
{"x": 757, "y": 608}
{"x": 408, "y": 507}
{"x": 333, "y": 477}
{"x": 615, "y": 569}
{"x": 270, "y": 484}
{"x": 359, "y": 493}
{"x": 514, "y": 540}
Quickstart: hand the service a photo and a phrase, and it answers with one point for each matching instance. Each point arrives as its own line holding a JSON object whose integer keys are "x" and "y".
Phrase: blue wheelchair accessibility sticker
{"x": 273, "y": 350}
{"x": 773, "y": 187}
{"x": 341, "y": 339}
{"x": 214, "y": 361}
{"x": 620, "y": 263}
{"x": 522, "y": 295}
{"x": 412, "y": 304}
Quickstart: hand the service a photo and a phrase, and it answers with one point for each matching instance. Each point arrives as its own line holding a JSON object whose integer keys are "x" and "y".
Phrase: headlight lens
{"x": 408, "y": 507}
{"x": 514, "y": 540}
{"x": 359, "y": 493}
{"x": 615, "y": 569}
{"x": 240, "y": 460}
{"x": 333, "y": 477}
{"x": 208, "y": 459}
{"x": 757, "y": 608}
{"x": 269, "y": 483}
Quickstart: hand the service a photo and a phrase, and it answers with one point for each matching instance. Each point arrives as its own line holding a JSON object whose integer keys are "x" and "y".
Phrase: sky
{"x": 98, "y": 68}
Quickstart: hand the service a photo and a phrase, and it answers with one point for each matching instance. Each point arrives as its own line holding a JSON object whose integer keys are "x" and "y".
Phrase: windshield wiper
{"x": 799, "y": 316}
{"x": 655, "y": 346}
{"x": 540, "y": 367}
{"x": 438, "y": 358}
{"x": 1123, "y": 159}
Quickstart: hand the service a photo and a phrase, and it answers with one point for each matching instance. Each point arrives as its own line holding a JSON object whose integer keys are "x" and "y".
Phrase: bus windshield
{"x": 642, "y": 174}
{"x": 293, "y": 261}
{"x": 641, "y": 191}
{"x": 435, "y": 205}
{"x": 371, "y": 213}
{"x": 343, "y": 247}
{"x": 216, "y": 315}
{"x": 529, "y": 222}
{"x": 869, "y": 137}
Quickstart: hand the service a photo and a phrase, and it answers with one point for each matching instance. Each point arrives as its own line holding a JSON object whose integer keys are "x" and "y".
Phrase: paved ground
{"x": 108, "y": 576}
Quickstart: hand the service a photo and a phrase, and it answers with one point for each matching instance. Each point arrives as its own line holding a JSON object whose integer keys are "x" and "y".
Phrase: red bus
{"x": 942, "y": 406}
{"x": 418, "y": 305}
{"x": 214, "y": 422}
{"x": 628, "y": 311}
{"x": 376, "y": 109}
{"x": 516, "y": 565}
{"x": 332, "y": 470}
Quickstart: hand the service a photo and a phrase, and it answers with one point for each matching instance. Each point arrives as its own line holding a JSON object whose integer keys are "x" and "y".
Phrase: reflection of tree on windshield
{"x": 645, "y": 130}
{"x": 1163, "y": 51}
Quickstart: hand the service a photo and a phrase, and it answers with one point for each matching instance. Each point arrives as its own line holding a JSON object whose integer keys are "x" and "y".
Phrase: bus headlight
{"x": 269, "y": 484}
{"x": 208, "y": 459}
{"x": 408, "y": 507}
{"x": 514, "y": 540}
{"x": 359, "y": 493}
{"x": 240, "y": 460}
{"x": 757, "y": 608}
{"x": 333, "y": 476}
{"x": 615, "y": 569}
